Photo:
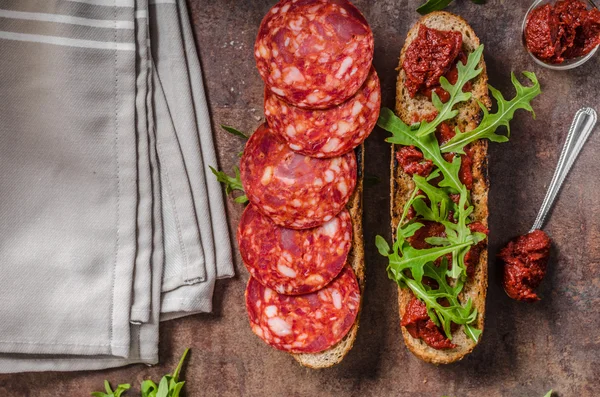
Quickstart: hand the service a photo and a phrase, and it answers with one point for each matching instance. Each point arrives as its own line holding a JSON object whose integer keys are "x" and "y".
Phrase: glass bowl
{"x": 568, "y": 63}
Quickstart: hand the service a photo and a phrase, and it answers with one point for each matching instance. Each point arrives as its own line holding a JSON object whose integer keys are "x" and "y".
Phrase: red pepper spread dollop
{"x": 525, "y": 260}
{"x": 431, "y": 55}
{"x": 419, "y": 325}
{"x": 565, "y": 30}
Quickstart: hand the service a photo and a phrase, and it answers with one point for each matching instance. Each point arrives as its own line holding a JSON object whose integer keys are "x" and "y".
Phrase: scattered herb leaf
{"x": 231, "y": 183}
{"x": 433, "y": 5}
{"x": 169, "y": 385}
{"x": 234, "y": 131}
{"x": 549, "y": 394}
{"x": 110, "y": 393}
{"x": 436, "y": 5}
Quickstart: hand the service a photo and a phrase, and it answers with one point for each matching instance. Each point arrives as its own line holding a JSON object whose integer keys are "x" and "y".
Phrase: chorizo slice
{"x": 289, "y": 261}
{"x": 307, "y": 323}
{"x": 314, "y": 53}
{"x": 325, "y": 133}
{"x": 294, "y": 190}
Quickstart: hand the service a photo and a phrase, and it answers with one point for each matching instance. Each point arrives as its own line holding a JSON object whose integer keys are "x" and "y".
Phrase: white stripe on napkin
{"x": 38, "y": 16}
{"x": 107, "y": 3}
{"x": 153, "y": 2}
{"x": 37, "y": 38}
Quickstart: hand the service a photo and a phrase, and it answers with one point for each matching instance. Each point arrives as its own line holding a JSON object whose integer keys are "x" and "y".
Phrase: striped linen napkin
{"x": 109, "y": 218}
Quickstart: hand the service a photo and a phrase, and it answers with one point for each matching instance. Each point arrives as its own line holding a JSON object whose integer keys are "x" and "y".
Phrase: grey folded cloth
{"x": 109, "y": 217}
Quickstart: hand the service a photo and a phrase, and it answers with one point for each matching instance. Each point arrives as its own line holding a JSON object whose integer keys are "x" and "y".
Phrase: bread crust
{"x": 402, "y": 186}
{"x": 356, "y": 258}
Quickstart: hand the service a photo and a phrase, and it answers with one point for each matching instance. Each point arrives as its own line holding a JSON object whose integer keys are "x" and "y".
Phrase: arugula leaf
{"x": 403, "y": 135}
{"x": 505, "y": 113}
{"x": 382, "y": 246}
{"x": 235, "y": 132}
{"x": 180, "y": 365}
{"x": 415, "y": 259}
{"x": 110, "y": 393}
{"x": 436, "y": 5}
{"x": 409, "y": 230}
{"x": 148, "y": 388}
{"x": 472, "y": 332}
{"x": 458, "y": 233}
{"x": 169, "y": 385}
{"x": 446, "y": 110}
{"x": 231, "y": 183}
{"x": 433, "y": 5}
{"x": 443, "y": 316}
{"x": 440, "y": 203}
{"x": 437, "y": 241}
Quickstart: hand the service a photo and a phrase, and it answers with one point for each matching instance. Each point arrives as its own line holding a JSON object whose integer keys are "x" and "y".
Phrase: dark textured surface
{"x": 526, "y": 348}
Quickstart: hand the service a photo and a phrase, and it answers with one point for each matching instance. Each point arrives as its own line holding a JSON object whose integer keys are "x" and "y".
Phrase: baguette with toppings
{"x": 439, "y": 185}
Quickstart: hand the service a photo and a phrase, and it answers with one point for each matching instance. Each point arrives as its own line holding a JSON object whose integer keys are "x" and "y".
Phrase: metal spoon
{"x": 581, "y": 128}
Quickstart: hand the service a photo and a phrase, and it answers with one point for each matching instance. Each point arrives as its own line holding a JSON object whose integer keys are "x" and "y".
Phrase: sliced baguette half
{"x": 356, "y": 258}
{"x": 402, "y": 186}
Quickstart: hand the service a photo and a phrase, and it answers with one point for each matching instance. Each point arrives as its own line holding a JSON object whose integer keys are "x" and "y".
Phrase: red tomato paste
{"x": 525, "y": 260}
{"x": 431, "y": 55}
{"x": 419, "y": 325}
{"x": 565, "y": 30}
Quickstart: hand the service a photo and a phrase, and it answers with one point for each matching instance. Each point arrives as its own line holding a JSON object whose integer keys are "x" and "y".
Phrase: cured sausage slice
{"x": 327, "y": 132}
{"x": 293, "y": 190}
{"x": 307, "y": 323}
{"x": 314, "y": 53}
{"x": 289, "y": 261}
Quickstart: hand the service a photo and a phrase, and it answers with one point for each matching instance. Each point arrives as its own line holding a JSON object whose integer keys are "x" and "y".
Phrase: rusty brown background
{"x": 526, "y": 348}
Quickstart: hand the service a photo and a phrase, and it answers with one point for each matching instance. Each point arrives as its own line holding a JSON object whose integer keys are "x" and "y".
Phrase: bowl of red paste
{"x": 561, "y": 34}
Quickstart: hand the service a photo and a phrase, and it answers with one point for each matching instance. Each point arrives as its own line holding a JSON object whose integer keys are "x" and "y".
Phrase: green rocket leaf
{"x": 235, "y": 132}
{"x": 232, "y": 183}
{"x": 428, "y": 144}
{"x": 433, "y": 5}
{"x": 492, "y": 121}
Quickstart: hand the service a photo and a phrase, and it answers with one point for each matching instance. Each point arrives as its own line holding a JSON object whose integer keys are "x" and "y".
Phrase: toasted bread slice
{"x": 402, "y": 185}
{"x": 356, "y": 258}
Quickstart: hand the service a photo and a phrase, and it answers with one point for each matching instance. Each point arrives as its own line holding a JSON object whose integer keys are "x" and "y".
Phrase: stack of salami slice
{"x": 299, "y": 171}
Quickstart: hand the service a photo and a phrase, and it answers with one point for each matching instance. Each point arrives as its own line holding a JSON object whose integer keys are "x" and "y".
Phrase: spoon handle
{"x": 583, "y": 124}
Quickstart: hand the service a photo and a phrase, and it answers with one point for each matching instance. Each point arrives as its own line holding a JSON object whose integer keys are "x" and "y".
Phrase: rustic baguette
{"x": 402, "y": 185}
{"x": 356, "y": 258}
